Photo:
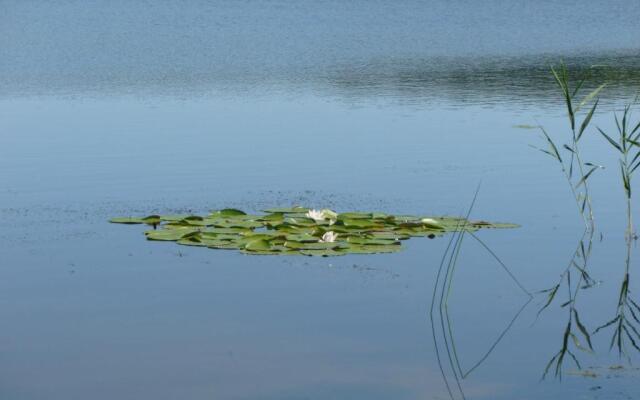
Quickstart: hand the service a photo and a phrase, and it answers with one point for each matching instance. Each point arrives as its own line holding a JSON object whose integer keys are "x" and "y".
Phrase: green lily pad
{"x": 227, "y": 231}
{"x": 354, "y": 215}
{"x": 300, "y": 221}
{"x": 378, "y": 215}
{"x": 275, "y": 218}
{"x": 227, "y": 212}
{"x": 296, "y": 230}
{"x": 409, "y": 219}
{"x": 223, "y": 244}
{"x": 389, "y": 235}
{"x": 302, "y": 238}
{"x": 258, "y": 245}
{"x": 195, "y": 222}
{"x": 192, "y": 242}
{"x": 360, "y": 223}
{"x": 176, "y": 217}
{"x": 126, "y": 220}
{"x": 260, "y": 236}
{"x": 193, "y": 218}
{"x": 150, "y": 220}
{"x": 431, "y": 223}
{"x": 168, "y": 234}
{"x": 222, "y": 236}
{"x": 228, "y": 223}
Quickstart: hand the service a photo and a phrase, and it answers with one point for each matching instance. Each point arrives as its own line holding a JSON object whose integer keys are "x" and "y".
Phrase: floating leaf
{"x": 431, "y": 223}
{"x": 302, "y": 238}
{"x": 393, "y": 235}
{"x": 168, "y": 234}
{"x": 257, "y": 245}
{"x": 150, "y": 220}
{"x": 223, "y": 244}
{"x": 300, "y": 221}
{"x": 227, "y": 231}
{"x": 360, "y": 223}
{"x": 126, "y": 220}
{"x": 354, "y": 215}
{"x": 177, "y": 217}
{"x": 227, "y": 212}
{"x": 271, "y": 218}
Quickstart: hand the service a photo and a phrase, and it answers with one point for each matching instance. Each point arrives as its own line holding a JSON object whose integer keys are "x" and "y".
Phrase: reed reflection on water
{"x": 575, "y": 279}
{"x": 575, "y": 338}
{"x": 449, "y": 361}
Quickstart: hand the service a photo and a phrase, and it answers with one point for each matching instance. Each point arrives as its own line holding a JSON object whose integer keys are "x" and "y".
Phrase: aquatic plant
{"x": 323, "y": 215}
{"x": 300, "y": 231}
{"x": 575, "y": 169}
{"x": 577, "y": 173}
{"x": 628, "y": 145}
{"x": 626, "y": 321}
{"x": 329, "y": 237}
{"x": 574, "y": 328}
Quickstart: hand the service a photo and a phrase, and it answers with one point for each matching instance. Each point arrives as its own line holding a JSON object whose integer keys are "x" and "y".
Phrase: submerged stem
{"x": 590, "y": 220}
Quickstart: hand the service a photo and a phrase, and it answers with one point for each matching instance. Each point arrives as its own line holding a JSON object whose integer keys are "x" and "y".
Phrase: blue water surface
{"x": 112, "y": 108}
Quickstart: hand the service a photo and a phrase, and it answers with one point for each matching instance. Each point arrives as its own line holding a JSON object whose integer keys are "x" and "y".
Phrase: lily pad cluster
{"x": 300, "y": 231}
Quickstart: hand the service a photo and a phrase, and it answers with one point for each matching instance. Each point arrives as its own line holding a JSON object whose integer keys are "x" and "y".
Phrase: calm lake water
{"x": 112, "y": 108}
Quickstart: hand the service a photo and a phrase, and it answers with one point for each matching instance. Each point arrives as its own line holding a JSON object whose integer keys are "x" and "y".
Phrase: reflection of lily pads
{"x": 372, "y": 242}
{"x": 315, "y": 246}
{"x": 371, "y": 249}
{"x": 300, "y": 231}
{"x": 223, "y": 244}
{"x": 322, "y": 253}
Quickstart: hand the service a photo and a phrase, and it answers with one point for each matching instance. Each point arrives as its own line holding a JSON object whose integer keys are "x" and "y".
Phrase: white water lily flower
{"x": 322, "y": 215}
{"x": 329, "y": 237}
{"x": 315, "y": 215}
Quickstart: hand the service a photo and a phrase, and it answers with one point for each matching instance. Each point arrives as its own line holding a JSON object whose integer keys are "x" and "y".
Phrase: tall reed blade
{"x": 574, "y": 160}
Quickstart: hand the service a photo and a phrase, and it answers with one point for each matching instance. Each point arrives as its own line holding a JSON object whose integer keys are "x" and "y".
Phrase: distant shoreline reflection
{"x": 520, "y": 82}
